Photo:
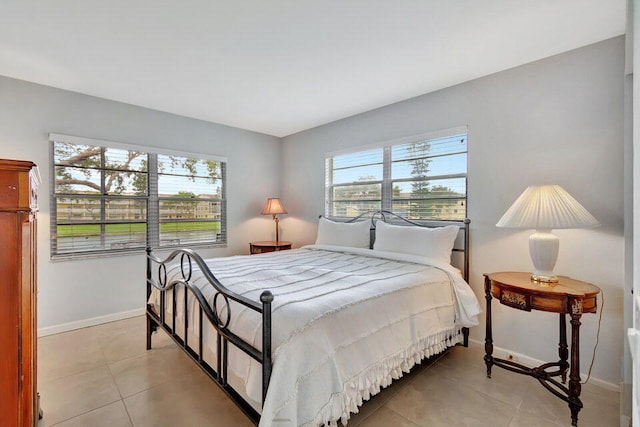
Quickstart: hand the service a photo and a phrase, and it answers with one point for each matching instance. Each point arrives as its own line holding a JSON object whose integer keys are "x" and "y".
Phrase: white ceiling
{"x": 282, "y": 66}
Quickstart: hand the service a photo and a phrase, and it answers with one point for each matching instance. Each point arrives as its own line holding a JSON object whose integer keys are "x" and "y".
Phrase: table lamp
{"x": 545, "y": 207}
{"x": 274, "y": 207}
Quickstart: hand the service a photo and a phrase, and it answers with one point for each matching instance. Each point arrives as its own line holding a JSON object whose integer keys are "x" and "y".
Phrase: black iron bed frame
{"x": 224, "y": 334}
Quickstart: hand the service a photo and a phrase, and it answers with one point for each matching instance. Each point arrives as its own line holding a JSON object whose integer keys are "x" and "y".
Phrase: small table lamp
{"x": 274, "y": 207}
{"x": 545, "y": 207}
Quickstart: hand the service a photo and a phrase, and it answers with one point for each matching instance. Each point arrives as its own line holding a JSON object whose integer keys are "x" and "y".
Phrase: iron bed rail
{"x": 224, "y": 336}
{"x": 211, "y": 312}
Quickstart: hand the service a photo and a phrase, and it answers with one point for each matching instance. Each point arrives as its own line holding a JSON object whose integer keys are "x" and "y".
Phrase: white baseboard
{"x": 78, "y": 324}
{"x": 503, "y": 353}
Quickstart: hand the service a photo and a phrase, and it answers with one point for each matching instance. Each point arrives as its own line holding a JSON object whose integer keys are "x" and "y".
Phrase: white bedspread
{"x": 345, "y": 323}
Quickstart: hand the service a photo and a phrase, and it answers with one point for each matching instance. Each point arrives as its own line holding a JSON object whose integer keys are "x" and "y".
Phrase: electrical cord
{"x": 593, "y": 357}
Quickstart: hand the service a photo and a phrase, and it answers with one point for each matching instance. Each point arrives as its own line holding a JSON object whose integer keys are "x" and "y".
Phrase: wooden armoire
{"x": 19, "y": 181}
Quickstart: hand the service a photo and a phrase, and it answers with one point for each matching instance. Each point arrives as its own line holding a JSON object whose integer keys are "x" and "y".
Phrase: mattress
{"x": 346, "y": 322}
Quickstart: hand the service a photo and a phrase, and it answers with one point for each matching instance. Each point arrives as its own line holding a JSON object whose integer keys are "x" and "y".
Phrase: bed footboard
{"x": 156, "y": 318}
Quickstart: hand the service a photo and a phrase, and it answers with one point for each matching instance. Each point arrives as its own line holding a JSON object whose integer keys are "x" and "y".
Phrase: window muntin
{"x": 425, "y": 178}
{"x": 107, "y": 200}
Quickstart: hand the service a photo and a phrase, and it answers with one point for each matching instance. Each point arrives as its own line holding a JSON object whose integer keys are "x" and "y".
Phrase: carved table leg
{"x": 488, "y": 338}
{"x": 563, "y": 351}
{"x": 574, "y": 376}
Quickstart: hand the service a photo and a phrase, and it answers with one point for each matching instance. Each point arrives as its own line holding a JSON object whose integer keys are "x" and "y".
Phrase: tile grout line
{"x": 81, "y": 414}
{"x": 122, "y": 398}
{"x": 105, "y": 363}
{"x": 396, "y": 390}
{"x": 399, "y": 414}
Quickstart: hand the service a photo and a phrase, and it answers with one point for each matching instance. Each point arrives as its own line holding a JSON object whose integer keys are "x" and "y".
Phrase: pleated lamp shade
{"x": 544, "y": 208}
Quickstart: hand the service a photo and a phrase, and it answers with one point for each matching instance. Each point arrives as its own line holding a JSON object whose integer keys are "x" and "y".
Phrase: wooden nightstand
{"x": 268, "y": 246}
{"x": 568, "y": 296}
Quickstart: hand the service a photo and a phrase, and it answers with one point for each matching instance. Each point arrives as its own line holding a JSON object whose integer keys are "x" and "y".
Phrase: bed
{"x": 303, "y": 337}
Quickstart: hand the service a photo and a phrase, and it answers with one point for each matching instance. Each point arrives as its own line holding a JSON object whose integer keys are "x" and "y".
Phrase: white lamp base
{"x": 543, "y": 248}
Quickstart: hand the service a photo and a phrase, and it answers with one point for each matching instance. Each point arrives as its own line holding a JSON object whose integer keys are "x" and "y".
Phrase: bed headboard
{"x": 460, "y": 256}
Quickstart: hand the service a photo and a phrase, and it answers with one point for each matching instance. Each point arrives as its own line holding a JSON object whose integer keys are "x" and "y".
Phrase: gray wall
{"x": 70, "y": 292}
{"x": 557, "y": 120}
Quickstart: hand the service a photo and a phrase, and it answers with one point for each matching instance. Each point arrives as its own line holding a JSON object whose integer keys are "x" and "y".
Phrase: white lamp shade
{"x": 546, "y": 207}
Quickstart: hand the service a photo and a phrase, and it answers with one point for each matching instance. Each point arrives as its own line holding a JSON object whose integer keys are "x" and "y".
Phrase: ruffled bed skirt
{"x": 380, "y": 375}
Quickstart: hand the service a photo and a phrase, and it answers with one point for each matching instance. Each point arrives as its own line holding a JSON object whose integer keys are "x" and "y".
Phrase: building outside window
{"x": 110, "y": 198}
{"x": 422, "y": 177}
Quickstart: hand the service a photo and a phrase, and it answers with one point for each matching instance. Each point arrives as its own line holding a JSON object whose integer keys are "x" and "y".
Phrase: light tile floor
{"x": 103, "y": 376}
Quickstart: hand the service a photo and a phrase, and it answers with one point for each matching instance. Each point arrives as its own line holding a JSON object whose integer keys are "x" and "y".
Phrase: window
{"x": 423, "y": 177}
{"x": 107, "y": 198}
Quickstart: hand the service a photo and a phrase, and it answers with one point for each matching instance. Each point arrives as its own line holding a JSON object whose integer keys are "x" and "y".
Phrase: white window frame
{"x": 152, "y": 221}
{"x": 387, "y": 182}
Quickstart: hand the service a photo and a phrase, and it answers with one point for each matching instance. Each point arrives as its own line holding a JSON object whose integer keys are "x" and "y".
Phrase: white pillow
{"x": 434, "y": 243}
{"x": 355, "y": 235}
